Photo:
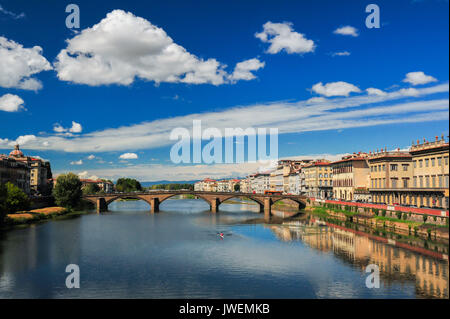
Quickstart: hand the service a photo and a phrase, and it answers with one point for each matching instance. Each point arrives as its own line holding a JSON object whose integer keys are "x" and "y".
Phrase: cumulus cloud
{"x": 91, "y": 157}
{"x": 339, "y": 88}
{"x": 76, "y": 128}
{"x": 122, "y": 47}
{"x": 375, "y": 91}
{"x": 23, "y": 139}
{"x": 79, "y": 162}
{"x": 10, "y": 103}
{"x": 281, "y": 36}
{"x": 347, "y": 30}
{"x": 418, "y": 78}
{"x": 243, "y": 70}
{"x": 19, "y": 64}
{"x": 128, "y": 156}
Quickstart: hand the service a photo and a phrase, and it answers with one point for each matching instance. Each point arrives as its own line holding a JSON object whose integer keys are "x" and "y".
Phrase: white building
{"x": 276, "y": 180}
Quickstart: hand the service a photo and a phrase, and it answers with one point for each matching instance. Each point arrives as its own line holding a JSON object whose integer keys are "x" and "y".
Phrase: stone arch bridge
{"x": 214, "y": 199}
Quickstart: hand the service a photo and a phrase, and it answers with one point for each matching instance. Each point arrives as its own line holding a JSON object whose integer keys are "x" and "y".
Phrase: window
{"x": 393, "y": 182}
{"x": 384, "y": 167}
{"x": 415, "y": 164}
{"x": 446, "y": 160}
{"x": 426, "y": 162}
{"x": 420, "y": 163}
{"x": 420, "y": 181}
{"x": 440, "y": 181}
{"x": 439, "y": 161}
{"x": 427, "y": 181}
{"x": 384, "y": 182}
{"x": 405, "y": 167}
{"x": 405, "y": 183}
{"x": 433, "y": 181}
{"x": 415, "y": 181}
{"x": 394, "y": 167}
{"x": 432, "y": 161}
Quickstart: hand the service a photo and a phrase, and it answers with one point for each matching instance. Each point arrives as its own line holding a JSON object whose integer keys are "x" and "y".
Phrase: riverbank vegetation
{"x": 12, "y": 199}
{"x": 382, "y": 222}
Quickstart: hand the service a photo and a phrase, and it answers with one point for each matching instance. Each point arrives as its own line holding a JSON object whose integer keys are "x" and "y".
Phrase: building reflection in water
{"x": 396, "y": 264}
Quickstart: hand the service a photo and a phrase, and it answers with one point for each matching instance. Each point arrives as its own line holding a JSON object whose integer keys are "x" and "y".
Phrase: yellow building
{"x": 350, "y": 173}
{"x": 418, "y": 177}
{"x": 430, "y": 178}
{"x": 390, "y": 176}
{"x": 318, "y": 179}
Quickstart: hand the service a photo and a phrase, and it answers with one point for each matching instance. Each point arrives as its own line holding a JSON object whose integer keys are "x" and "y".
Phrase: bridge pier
{"x": 154, "y": 205}
{"x": 267, "y": 208}
{"x": 214, "y": 205}
{"x": 101, "y": 205}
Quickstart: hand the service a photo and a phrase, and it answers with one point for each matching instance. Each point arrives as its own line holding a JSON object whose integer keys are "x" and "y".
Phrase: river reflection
{"x": 177, "y": 253}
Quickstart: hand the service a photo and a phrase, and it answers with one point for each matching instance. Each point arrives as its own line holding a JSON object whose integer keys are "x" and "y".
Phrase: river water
{"x": 178, "y": 253}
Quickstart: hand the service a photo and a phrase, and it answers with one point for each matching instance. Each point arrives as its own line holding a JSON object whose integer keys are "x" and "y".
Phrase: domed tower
{"x": 16, "y": 152}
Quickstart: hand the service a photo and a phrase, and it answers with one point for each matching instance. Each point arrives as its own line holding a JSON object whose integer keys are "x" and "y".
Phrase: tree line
{"x": 67, "y": 192}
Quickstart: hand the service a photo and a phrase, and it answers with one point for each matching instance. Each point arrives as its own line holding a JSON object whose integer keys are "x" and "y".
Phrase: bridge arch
{"x": 256, "y": 200}
{"x": 110, "y": 200}
{"x": 164, "y": 197}
{"x": 301, "y": 203}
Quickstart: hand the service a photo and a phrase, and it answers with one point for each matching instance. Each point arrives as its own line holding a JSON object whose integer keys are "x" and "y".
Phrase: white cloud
{"x": 417, "y": 78}
{"x": 281, "y": 36}
{"x": 375, "y": 91}
{"x": 122, "y": 47}
{"x": 10, "y": 103}
{"x": 128, "y": 156}
{"x": 343, "y": 53}
{"x": 243, "y": 70}
{"x": 91, "y": 157}
{"x": 59, "y": 129}
{"x": 79, "y": 162}
{"x": 409, "y": 92}
{"x": 339, "y": 88}
{"x": 12, "y": 14}
{"x": 76, "y": 127}
{"x": 316, "y": 99}
{"x": 19, "y": 64}
{"x": 347, "y": 30}
{"x": 24, "y": 139}
{"x": 288, "y": 117}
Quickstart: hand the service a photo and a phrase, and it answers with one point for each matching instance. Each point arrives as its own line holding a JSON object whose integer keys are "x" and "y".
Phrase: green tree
{"x": 67, "y": 191}
{"x": 91, "y": 188}
{"x": 128, "y": 185}
{"x": 16, "y": 199}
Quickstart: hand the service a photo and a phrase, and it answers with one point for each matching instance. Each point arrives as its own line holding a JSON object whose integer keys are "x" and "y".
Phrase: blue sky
{"x": 126, "y": 88}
